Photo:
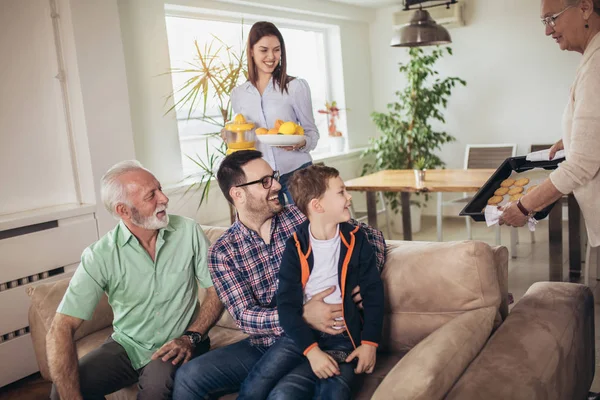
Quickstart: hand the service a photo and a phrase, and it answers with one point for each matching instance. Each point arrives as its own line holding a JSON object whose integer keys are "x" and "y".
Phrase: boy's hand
{"x": 322, "y": 364}
{"x": 367, "y": 356}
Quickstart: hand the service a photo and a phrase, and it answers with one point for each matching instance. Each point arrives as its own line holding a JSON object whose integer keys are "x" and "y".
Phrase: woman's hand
{"x": 295, "y": 147}
{"x": 555, "y": 148}
{"x": 512, "y": 216}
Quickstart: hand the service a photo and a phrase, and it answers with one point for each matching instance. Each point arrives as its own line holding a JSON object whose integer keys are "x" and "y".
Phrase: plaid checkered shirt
{"x": 245, "y": 270}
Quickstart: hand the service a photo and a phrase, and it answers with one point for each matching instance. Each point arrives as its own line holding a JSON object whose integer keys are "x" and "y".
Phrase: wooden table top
{"x": 436, "y": 180}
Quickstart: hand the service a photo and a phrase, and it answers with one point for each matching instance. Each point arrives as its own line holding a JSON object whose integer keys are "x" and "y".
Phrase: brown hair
{"x": 310, "y": 183}
{"x": 230, "y": 171}
{"x": 257, "y": 32}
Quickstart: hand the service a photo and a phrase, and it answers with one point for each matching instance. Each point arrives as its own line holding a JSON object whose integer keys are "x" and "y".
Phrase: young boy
{"x": 324, "y": 252}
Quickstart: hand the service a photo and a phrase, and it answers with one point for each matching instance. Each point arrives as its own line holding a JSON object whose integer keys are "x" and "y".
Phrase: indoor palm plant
{"x": 407, "y": 137}
{"x": 216, "y": 70}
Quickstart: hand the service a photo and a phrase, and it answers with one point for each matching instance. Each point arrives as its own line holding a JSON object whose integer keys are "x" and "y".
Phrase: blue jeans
{"x": 217, "y": 372}
{"x": 285, "y": 373}
{"x": 283, "y": 180}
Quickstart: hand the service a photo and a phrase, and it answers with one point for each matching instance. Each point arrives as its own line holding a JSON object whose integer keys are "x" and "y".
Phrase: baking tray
{"x": 474, "y": 208}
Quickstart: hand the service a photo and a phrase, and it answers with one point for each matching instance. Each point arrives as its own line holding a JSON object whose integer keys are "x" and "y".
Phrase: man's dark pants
{"x": 108, "y": 369}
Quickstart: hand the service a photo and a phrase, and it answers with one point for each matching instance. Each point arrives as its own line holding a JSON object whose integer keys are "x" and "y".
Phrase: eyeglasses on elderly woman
{"x": 551, "y": 19}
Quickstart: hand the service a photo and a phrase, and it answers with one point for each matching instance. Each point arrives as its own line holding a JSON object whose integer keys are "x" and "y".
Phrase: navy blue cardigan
{"x": 357, "y": 266}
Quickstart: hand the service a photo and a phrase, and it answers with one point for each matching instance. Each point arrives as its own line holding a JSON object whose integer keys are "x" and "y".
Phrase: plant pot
{"x": 415, "y": 220}
{"x": 419, "y": 176}
{"x": 337, "y": 144}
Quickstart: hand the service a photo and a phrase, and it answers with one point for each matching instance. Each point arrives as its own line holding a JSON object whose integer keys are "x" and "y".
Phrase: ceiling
{"x": 370, "y": 3}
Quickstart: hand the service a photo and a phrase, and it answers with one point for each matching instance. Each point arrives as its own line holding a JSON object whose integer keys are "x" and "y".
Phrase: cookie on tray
{"x": 501, "y": 191}
{"x": 507, "y": 182}
{"x": 516, "y": 197}
{"x": 494, "y": 200}
{"x": 522, "y": 182}
{"x": 515, "y": 190}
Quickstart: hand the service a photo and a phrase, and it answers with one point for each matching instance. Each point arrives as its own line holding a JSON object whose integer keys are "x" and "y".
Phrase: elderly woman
{"x": 574, "y": 25}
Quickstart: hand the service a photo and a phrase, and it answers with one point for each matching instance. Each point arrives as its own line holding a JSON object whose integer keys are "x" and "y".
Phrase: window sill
{"x": 322, "y": 157}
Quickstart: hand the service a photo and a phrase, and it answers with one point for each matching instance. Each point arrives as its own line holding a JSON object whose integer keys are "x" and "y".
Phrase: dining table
{"x": 442, "y": 181}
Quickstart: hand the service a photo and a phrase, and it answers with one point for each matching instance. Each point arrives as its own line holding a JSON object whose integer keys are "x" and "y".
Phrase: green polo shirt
{"x": 152, "y": 301}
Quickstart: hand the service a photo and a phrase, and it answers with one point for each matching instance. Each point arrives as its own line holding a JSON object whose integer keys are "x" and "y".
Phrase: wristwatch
{"x": 523, "y": 210}
{"x": 195, "y": 337}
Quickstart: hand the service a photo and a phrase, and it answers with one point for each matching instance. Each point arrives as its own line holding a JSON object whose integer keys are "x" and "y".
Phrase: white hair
{"x": 112, "y": 190}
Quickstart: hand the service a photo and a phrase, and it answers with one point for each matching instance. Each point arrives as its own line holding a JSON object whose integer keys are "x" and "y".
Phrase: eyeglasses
{"x": 266, "y": 181}
{"x": 551, "y": 20}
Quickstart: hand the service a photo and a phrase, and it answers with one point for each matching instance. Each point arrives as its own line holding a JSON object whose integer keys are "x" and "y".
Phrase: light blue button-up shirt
{"x": 294, "y": 105}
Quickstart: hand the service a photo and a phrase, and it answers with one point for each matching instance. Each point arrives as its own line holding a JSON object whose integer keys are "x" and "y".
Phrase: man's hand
{"x": 556, "y": 147}
{"x": 322, "y": 364}
{"x": 180, "y": 349}
{"x": 367, "y": 356}
{"x": 357, "y": 298}
{"x": 322, "y": 316}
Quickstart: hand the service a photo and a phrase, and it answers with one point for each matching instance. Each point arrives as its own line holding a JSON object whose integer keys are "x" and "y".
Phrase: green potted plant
{"x": 407, "y": 140}
{"x": 216, "y": 70}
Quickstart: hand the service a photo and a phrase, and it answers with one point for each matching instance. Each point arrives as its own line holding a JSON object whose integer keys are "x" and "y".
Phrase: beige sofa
{"x": 447, "y": 331}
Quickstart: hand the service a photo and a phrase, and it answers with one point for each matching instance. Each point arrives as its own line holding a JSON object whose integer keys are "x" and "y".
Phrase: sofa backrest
{"x": 428, "y": 284}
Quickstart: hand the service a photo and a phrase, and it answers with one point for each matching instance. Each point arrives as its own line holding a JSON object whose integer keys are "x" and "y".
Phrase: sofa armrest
{"x": 430, "y": 369}
{"x": 544, "y": 350}
{"x": 45, "y": 299}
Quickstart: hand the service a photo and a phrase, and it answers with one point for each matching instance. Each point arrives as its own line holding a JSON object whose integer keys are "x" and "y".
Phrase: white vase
{"x": 415, "y": 219}
{"x": 337, "y": 144}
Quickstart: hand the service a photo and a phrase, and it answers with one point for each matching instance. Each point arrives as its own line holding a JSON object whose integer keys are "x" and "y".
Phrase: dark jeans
{"x": 283, "y": 180}
{"x": 107, "y": 369}
{"x": 285, "y": 373}
{"x": 218, "y": 372}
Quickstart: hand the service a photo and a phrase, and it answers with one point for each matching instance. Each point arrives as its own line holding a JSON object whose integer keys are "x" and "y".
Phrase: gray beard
{"x": 149, "y": 223}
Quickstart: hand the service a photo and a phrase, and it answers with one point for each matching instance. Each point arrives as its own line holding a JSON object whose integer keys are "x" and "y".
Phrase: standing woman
{"x": 575, "y": 26}
{"x": 271, "y": 94}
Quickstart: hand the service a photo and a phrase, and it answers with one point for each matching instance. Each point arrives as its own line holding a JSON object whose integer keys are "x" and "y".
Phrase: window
{"x": 306, "y": 59}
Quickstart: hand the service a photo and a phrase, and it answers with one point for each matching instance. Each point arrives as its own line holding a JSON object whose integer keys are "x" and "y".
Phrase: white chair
{"x": 364, "y": 216}
{"x": 479, "y": 156}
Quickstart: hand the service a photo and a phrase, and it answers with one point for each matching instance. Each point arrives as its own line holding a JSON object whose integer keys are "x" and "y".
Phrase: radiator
{"x": 41, "y": 250}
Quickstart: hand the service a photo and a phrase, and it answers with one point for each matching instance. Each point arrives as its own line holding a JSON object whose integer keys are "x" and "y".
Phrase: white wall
{"x": 35, "y": 159}
{"x": 98, "y": 84}
{"x": 517, "y": 79}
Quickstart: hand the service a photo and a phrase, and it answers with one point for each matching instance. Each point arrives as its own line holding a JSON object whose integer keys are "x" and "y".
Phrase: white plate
{"x": 280, "y": 140}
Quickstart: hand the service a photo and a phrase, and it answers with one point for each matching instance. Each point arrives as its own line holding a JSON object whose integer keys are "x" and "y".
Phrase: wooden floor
{"x": 531, "y": 266}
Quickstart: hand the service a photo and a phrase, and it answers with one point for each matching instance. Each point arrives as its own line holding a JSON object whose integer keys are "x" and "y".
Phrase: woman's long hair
{"x": 257, "y": 32}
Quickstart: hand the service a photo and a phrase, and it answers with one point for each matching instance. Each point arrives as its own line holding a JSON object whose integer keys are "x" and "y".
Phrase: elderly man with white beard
{"x": 149, "y": 265}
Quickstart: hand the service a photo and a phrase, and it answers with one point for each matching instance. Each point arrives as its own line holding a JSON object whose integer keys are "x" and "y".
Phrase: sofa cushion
{"x": 429, "y": 284}
{"x": 430, "y": 369}
{"x": 92, "y": 341}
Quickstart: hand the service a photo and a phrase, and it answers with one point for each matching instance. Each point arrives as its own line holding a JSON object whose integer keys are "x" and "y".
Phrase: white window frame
{"x": 327, "y": 30}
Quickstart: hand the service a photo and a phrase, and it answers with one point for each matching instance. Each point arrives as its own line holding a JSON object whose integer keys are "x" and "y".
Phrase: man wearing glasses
{"x": 244, "y": 265}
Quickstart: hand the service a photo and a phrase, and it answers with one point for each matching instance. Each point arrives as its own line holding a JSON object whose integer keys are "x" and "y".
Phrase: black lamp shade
{"x": 421, "y": 31}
